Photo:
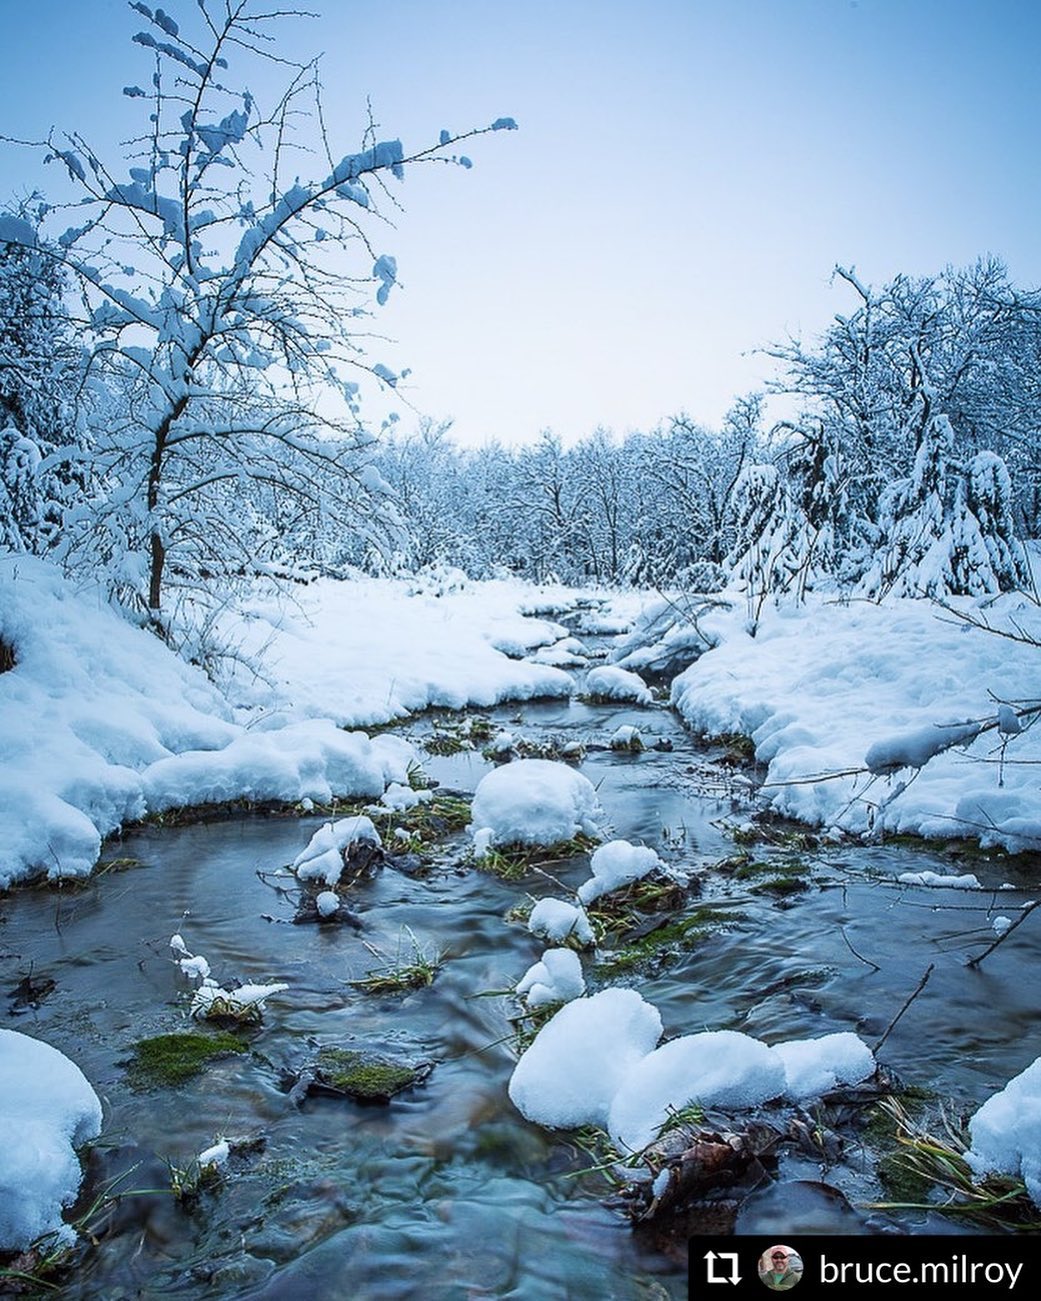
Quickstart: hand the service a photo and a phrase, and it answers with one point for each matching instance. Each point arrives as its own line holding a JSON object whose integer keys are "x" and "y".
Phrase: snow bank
{"x": 100, "y": 724}
{"x": 578, "y": 1060}
{"x": 49, "y": 1110}
{"x": 611, "y": 683}
{"x": 824, "y": 689}
{"x": 533, "y": 802}
{"x": 372, "y": 650}
{"x": 616, "y": 864}
{"x": 1006, "y": 1132}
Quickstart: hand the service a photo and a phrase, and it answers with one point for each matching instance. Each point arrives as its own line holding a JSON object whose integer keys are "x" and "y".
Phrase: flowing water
{"x": 447, "y": 1192}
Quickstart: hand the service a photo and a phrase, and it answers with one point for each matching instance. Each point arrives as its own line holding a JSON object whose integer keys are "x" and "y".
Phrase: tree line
{"x": 181, "y": 371}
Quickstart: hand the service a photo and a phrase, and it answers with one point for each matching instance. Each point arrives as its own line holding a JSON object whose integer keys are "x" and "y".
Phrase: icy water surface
{"x": 447, "y": 1192}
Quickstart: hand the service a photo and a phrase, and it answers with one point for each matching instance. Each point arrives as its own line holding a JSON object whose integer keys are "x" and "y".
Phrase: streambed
{"x": 448, "y": 1192}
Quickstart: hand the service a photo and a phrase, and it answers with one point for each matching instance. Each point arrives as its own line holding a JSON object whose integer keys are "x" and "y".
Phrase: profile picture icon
{"x": 780, "y": 1268}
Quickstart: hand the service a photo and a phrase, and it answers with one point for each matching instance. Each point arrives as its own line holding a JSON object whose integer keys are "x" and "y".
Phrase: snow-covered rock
{"x": 555, "y": 978}
{"x": 571, "y": 1072}
{"x": 715, "y": 1068}
{"x": 616, "y": 864}
{"x": 1006, "y": 1132}
{"x": 533, "y": 802}
{"x": 608, "y": 682}
{"x": 48, "y": 1111}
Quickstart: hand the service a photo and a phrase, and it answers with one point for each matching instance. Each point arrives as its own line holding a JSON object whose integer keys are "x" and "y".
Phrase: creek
{"x": 447, "y": 1192}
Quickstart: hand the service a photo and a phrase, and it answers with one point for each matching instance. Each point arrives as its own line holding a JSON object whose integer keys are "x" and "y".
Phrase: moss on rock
{"x": 168, "y": 1059}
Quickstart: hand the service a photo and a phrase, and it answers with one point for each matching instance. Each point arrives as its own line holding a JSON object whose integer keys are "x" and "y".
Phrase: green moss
{"x": 680, "y": 935}
{"x": 781, "y": 886}
{"x": 364, "y": 1077}
{"x": 173, "y": 1058}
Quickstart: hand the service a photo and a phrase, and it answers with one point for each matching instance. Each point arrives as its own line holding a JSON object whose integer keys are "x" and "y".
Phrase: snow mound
{"x": 966, "y": 881}
{"x": 616, "y": 864}
{"x": 571, "y": 1072}
{"x": 533, "y": 802}
{"x": 313, "y": 759}
{"x": 814, "y": 1067}
{"x": 557, "y": 920}
{"x": 322, "y": 858}
{"x": 556, "y": 978}
{"x": 1006, "y": 1132}
{"x": 717, "y": 1067}
{"x": 49, "y": 1110}
{"x": 609, "y": 682}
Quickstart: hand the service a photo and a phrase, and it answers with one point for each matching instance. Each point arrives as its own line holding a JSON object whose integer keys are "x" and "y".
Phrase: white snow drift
{"x": 49, "y": 1110}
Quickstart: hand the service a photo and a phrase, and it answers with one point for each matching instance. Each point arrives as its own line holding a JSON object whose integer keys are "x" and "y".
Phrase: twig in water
{"x": 910, "y": 999}
{"x": 1024, "y": 913}
{"x": 866, "y": 961}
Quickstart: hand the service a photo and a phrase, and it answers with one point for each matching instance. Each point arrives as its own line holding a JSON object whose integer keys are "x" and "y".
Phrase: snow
{"x": 240, "y": 1002}
{"x": 609, "y": 682}
{"x": 595, "y": 1063}
{"x": 557, "y": 920}
{"x": 555, "y": 978}
{"x": 327, "y": 903}
{"x": 966, "y": 881}
{"x": 49, "y": 1110}
{"x": 825, "y": 689}
{"x": 714, "y": 1068}
{"x": 571, "y": 1072}
{"x": 1006, "y": 1132}
{"x": 814, "y": 1067}
{"x": 533, "y": 802}
{"x": 626, "y": 737}
{"x": 101, "y": 724}
{"x": 215, "y": 1156}
{"x": 616, "y": 864}
{"x": 322, "y": 858}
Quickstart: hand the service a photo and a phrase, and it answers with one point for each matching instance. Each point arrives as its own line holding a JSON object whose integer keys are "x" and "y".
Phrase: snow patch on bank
{"x": 49, "y": 1110}
{"x": 824, "y": 689}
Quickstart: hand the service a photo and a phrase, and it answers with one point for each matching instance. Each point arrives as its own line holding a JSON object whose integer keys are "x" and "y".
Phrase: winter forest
{"x": 597, "y": 843}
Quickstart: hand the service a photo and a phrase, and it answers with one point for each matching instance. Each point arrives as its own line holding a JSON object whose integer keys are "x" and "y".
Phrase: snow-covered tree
{"x": 223, "y": 287}
{"x": 989, "y": 499}
{"x": 39, "y": 376}
{"x": 761, "y": 560}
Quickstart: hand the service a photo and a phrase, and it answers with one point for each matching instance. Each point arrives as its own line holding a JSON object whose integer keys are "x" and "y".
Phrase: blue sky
{"x": 684, "y": 179}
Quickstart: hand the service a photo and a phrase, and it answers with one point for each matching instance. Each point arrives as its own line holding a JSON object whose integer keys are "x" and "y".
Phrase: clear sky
{"x": 685, "y": 177}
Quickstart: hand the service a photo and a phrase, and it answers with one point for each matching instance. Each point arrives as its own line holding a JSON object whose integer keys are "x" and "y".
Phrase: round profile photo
{"x": 780, "y": 1268}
